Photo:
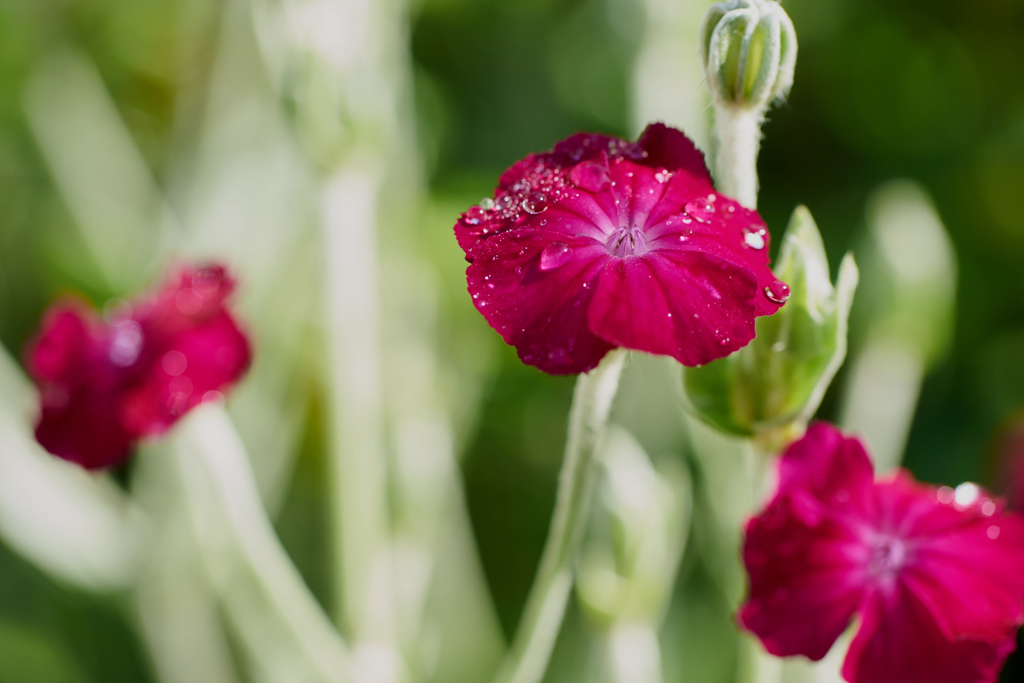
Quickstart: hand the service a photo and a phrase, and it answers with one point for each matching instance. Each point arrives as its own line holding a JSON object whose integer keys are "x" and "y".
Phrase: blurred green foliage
{"x": 883, "y": 88}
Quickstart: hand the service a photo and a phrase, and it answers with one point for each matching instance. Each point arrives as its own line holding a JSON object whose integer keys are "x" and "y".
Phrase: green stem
{"x": 283, "y": 627}
{"x": 358, "y": 473}
{"x": 739, "y": 139}
{"x": 545, "y": 606}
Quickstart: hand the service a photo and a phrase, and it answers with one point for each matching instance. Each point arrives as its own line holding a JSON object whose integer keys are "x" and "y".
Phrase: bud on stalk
{"x": 749, "y": 52}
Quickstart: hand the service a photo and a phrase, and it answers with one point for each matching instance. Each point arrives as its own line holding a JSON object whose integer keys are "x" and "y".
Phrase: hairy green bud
{"x": 749, "y": 52}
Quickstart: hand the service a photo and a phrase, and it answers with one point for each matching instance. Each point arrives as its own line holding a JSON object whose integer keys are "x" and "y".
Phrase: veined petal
{"x": 692, "y": 306}
{"x": 534, "y": 287}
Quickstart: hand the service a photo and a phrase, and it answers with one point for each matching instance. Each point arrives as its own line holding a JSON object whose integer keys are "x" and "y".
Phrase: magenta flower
{"x": 936, "y": 576}
{"x": 603, "y": 243}
{"x": 106, "y": 382}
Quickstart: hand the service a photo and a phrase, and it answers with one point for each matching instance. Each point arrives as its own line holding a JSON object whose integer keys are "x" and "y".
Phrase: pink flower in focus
{"x": 936, "y": 576}
{"x": 105, "y": 383}
{"x": 603, "y": 243}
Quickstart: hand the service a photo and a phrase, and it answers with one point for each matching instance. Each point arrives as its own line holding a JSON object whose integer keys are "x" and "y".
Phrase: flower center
{"x": 888, "y": 556}
{"x": 627, "y": 241}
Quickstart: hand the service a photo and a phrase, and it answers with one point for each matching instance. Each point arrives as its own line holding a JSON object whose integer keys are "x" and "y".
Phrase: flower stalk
{"x": 545, "y": 606}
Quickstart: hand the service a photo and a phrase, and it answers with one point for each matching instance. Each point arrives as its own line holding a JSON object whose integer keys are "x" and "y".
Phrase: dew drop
{"x": 555, "y": 255}
{"x": 701, "y": 210}
{"x": 966, "y": 494}
{"x": 486, "y": 203}
{"x": 590, "y": 175}
{"x": 988, "y": 508}
{"x": 993, "y": 532}
{"x": 663, "y": 175}
{"x": 474, "y": 216}
{"x": 945, "y": 495}
{"x": 777, "y": 292}
{"x": 535, "y": 202}
{"x": 754, "y": 238}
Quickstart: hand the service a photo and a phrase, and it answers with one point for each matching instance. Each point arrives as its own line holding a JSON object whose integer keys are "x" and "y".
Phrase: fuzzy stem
{"x": 358, "y": 468}
{"x": 545, "y": 606}
{"x": 281, "y": 623}
{"x": 756, "y": 665}
{"x": 633, "y": 654}
{"x": 738, "y": 132}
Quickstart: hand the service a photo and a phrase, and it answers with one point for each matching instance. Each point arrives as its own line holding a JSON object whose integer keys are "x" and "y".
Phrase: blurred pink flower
{"x": 936, "y": 576}
{"x": 106, "y": 382}
{"x": 603, "y": 243}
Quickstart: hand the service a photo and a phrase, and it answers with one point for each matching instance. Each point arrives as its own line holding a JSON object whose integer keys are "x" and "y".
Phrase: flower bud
{"x": 773, "y": 386}
{"x": 628, "y": 565}
{"x": 749, "y": 52}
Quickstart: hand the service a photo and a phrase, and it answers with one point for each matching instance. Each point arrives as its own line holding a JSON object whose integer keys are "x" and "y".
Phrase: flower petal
{"x": 668, "y": 148}
{"x": 70, "y": 361}
{"x": 692, "y": 306}
{"x": 718, "y": 225}
{"x": 806, "y": 579}
{"x": 830, "y": 467}
{"x": 899, "y": 642}
{"x": 541, "y": 311}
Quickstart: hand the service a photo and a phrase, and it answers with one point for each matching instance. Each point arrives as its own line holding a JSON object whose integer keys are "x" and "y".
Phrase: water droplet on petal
{"x": 754, "y": 238}
{"x": 777, "y": 292}
{"x": 474, "y": 216}
{"x": 590, "y": 176}
{"x": 486, "y": 203}
{"x": 966, "y": 494}
{"x": 993, "y": 532}
{"x": 555, "y": 255}
{"x": 945, "y": 495}
{"x": 701, "y": 210}
{"x": 988, "y": 508}
{"x": 535, "y": 202}
{"x": 663, "y": 175}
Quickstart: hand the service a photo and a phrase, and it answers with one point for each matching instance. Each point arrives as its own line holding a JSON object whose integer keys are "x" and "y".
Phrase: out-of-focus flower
{"x": 605, "y": 243}
{"x": 106, "y": 382}
{"x": 936, "y": 575}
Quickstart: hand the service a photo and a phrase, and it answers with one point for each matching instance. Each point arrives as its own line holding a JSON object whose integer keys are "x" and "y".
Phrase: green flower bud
{"x": 749, "y": 53}
{"x": 774, "y": 385}
{"x": 628, "y": 564}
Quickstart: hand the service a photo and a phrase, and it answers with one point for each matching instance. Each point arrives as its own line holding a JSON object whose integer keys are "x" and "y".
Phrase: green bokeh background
{"x": 884, "y": 88}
